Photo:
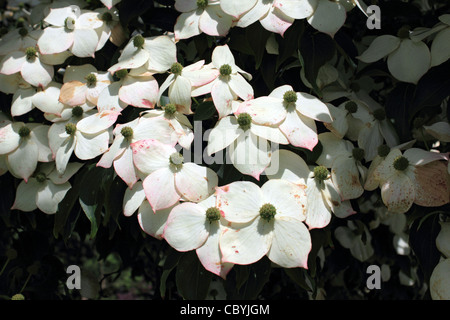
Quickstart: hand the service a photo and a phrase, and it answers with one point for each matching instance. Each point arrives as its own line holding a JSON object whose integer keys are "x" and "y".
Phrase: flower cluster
{"x": 182, "y": 201}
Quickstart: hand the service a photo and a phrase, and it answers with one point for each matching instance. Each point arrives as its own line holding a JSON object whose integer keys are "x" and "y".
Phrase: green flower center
{"x": 225, "y": 70}
{"x": 267, "y": 212}
{"x": 176, "y": 160}
{"x": 320, "y": 173}
{"x": 351, "y": 107}
{"x": 69, "y": 23}
{"x": 77, "y": 111}
{"x": 30, "y": 53}
{"x": 18, "y": 296}
{"x": 403, "y": 32}
{"x": 127, "y": 133}
{"x": 245, "y": 121}
{"x": 24, "y": 132}
{"x": 358, "y": 154}
{"x": 202, "y": 4}
{"x": 212, "y": 214}
{"x": 120, "y": 74}
{"x": 91, "y": 80}
{"x": 23, "y": 32}
{"x": 170, "y": 110}
{"x": 379, "y": 114}
{"x": 401, "y": 163}
{"x": 41, "y": 177}
{"x": 138, "y": 41}
{"x": 290, "y": 97}
{"x": 106, "y": 17}
{"x": 176, "y": 68}
{"x": 383, "y": 150}
{"x": 71, "y": 128}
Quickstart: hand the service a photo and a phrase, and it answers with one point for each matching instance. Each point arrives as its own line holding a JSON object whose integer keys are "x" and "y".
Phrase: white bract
{"x": 24, "y": 145}
{"x": 74, "y": 29}
{"x": 137, "y": 88}
{"x": 248, "y": 143}
{"x": 415, "y": 176}
{"x": 322, "y": 196}
{"x": 229, "y": 83}
{"x": 45, "y": 189}
{"x": 87, "y": 136}
{"x": 199, "y": 16}
{"x": 268, "y": 221}
{"x": 274, "y": 15}
{"x": 83, "y": 83}
{"x": 153, "y": 54}
{"x": 198, "y": 226}
{"x": 182, "y": 80}
{"x": 120, "y": 153}
{"x": 345, "y": 163}
{"x": 168, "y": 178}
{"x": 407, "y": 60}
{"x": 294, "y": 113}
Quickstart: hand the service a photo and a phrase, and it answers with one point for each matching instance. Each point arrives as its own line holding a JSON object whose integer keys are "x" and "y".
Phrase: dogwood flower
{"x": 153, "y": 223}
{"x": 45, "y": 189}
{"x": 181, "y": 80}
{"x": 120, "y": 153}
{"x": 269, "y": 221}
{"x": 154, "y": 54}
{"x": 86, "y": 137}
{"x": 416, "y": 176}
{"x": 169, "y": 179}
{"x": 24, "y": 144}
{"x": 199, "y": 16}
{"x": 83, "y": 83}
{"x": 182, "y": 128}
{"x": 198, "y": 226}
{"x": 274, "y": 15}
{"x": 441, "y": 35}
{"x": 349, "y": 118}
{"x": 374, "y": 133}
{"x": 443, "y": 239}
{"x": 9, "y": 84}
{"x": 328, "y": 17}
{"x": 294, "y": 113}
{"x": 407, "y": 60}
{"x": 440, "y": 281}
{"x": 137, "y": 88}
{"x": 28, "y": 63}
{"x": 323, "y": 199}
{"x": 229, "y": 84}
{"x": 350, "y": 237}
{"x": 18, "y": 40}
{"x": 74, "y": 29}
{"x": 247, "y": 142}
{"x": 345, "y": 163}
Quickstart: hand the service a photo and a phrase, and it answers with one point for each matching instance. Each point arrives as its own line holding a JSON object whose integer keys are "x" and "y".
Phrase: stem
{"x": 26, "y": 282}
{"x": 4, "y": 266}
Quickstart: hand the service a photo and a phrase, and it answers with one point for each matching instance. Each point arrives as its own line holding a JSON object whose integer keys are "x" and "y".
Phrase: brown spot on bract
{"x": 432, "y": 184}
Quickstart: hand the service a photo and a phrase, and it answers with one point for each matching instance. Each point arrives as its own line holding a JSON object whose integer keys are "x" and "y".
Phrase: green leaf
{"x": 298, "y": 276}
{"x": 398, "y": 107}
{"x": 422, "y": 239}
{"x": 315, "y": 50}
{"x": 169, "y": 264}
{"x": 257, "y": 37}
{"x": 432, "y": 88}
{"x": 92, "y": 195}
{"x": 204, "y": 111}
{"x": 258, "y": 276}
{"x": 289, "y": 44}
{"x": 192, "y": 278}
